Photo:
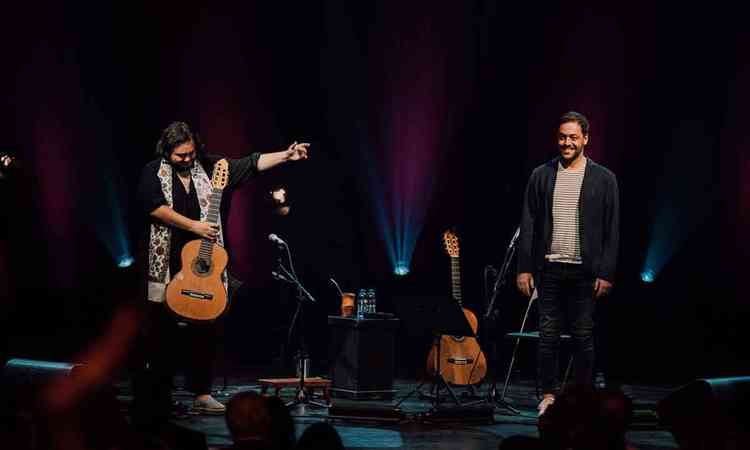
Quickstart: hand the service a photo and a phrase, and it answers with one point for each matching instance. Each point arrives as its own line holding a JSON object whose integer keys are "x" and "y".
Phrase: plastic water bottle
{"x": 361, "y": 297}
{"x": 366, "y": 302}
{"x": 373, "y": 301}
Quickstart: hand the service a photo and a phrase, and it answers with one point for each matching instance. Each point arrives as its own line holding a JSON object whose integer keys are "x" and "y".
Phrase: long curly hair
{"x": 176, "y": 134}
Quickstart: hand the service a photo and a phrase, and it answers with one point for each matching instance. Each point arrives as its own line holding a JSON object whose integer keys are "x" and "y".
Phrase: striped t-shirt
{"x": 566, "y": 241}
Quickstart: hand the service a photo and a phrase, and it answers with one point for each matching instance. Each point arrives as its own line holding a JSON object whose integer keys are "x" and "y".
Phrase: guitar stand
{"x": 439, "y": 317}
{"x": 438, "y": 383}
{"x": 491, "y": 398}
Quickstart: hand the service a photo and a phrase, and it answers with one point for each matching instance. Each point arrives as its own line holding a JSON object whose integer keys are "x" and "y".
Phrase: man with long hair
{"x": 174, "y": 190}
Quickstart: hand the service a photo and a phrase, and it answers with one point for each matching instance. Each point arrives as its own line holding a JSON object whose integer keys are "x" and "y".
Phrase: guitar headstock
{"x": 450, "y": 241}
{"x": 221, "y": 174}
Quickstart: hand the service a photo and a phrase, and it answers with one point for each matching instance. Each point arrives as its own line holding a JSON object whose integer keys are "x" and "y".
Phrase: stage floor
{"x": 415, "y": 432}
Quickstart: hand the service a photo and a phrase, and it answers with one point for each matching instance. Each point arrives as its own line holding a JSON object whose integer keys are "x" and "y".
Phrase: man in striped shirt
{"x": 568, "y": 249}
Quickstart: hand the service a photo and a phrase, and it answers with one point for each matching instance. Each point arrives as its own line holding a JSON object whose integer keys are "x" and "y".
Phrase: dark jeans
{"x": 166, "y": 347}
{"x": 565, "y": 292}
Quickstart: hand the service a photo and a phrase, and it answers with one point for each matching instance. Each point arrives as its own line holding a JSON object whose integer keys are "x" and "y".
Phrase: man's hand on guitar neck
{"x": 175, "y": 219}
{"x": 205, "y": 230}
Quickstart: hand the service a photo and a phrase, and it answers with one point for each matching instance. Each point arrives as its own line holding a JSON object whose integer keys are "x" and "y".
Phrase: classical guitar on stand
{"x": 462, "y": 361}
{"x": 197, "y": 291}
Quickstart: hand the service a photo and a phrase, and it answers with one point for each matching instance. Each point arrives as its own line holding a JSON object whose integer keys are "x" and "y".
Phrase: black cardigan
{"x": 598, "y": 226}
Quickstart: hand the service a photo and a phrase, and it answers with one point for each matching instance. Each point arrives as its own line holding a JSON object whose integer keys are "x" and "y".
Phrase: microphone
{"x": 278, "y": 276}
{"x": 276, "y": 240}
{"x": 515, "y": 237}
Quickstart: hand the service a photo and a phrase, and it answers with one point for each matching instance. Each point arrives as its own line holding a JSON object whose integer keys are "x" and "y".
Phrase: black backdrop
{"x": 87, "y": 90}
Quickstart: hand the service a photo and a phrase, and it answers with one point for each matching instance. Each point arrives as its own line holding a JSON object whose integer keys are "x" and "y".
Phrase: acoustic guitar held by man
{"x": 176, "y": 190}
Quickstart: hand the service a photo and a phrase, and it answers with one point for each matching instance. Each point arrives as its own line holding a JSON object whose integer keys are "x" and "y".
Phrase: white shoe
{"x": 208, "y": 405}
{"x": 544, "y": 404}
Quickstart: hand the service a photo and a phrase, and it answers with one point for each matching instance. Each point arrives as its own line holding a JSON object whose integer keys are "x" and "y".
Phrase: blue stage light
{"x": 647, "y": 276}
{"x": 401, "y": 269}
{"x": 125, "y": 261}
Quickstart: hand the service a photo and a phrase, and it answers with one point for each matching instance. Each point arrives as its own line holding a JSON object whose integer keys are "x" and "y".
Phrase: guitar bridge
{"x": 197, "y": 295}
{"x": 460, "y": 361}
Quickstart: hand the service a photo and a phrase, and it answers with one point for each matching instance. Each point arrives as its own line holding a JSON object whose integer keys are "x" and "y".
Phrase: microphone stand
{"x": 492, "y": 394}
{"x": 289, "y": 276}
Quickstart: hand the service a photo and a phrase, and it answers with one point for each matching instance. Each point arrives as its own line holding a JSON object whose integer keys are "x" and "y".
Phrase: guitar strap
{"x": 160, "y": 235}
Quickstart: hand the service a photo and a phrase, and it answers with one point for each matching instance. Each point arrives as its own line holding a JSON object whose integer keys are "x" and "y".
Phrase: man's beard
{"x": 576, "y": 152}
{"x": 182, "y": 169}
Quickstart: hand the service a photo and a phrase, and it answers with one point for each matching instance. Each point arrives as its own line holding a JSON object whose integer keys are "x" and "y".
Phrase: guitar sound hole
{"x": 201, "y": 266}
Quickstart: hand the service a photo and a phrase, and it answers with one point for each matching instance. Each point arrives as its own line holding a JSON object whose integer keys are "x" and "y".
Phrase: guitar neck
{"x": 212, "y": 217}
{"x": 456, "y": 279}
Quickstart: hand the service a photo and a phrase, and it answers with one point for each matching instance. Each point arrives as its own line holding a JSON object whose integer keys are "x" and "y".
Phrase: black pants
{"x": 166, "y": 347}
{"x": 565, "y": 292}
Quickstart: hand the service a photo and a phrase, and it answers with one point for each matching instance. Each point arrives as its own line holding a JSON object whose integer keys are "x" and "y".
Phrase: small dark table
{"x": 362, "y": 352}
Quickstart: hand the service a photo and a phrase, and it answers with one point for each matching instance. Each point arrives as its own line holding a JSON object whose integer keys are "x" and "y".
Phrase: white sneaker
{"x": 544, "y": 404}
{"x": 208, "y": 405}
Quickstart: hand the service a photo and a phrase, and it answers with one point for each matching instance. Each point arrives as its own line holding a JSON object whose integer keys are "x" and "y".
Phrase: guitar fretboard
{"x": 456, "y": 278}
{"x": 214, "y": 202}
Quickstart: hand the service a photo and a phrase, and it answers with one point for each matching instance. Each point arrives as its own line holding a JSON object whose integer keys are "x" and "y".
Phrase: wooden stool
{"x": 310, "y": 385}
